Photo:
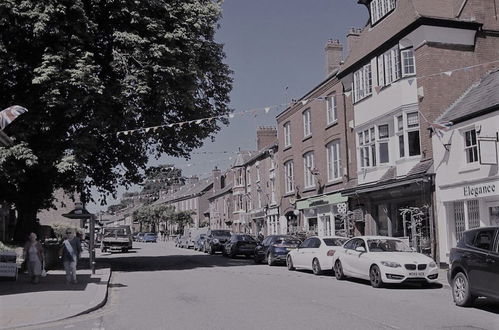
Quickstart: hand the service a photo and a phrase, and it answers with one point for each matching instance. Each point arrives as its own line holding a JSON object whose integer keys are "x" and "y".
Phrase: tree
{"x": 86, "y": 69}
{"x": 181, "y": 219}
{"x": 153, "y": 215}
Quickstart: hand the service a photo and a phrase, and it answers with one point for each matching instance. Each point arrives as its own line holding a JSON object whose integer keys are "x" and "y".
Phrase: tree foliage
{"x": 86, "y": 69}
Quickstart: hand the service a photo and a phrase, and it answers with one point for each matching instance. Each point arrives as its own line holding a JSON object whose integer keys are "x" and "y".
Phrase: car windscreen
{"x": 387, "y": 245}
{"x": 245, "y": 238}
{"x": 335, "y": 241}
{"x": 288, "y": 241}
{"x": 115, "y": 232}
{"x": 220, "y": 233}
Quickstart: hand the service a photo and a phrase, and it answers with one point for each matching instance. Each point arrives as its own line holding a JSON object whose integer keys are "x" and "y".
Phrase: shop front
{"x": 324, "y": 215}
{"x": 258, "y": 223}
{"x": 274, "y": 226}
{"x": 463, "y": 206}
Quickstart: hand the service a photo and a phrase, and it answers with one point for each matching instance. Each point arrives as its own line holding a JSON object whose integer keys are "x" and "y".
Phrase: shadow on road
{"x": 403, "y": 286}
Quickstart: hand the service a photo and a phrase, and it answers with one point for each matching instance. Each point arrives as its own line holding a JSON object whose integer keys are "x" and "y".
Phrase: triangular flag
{"x": 377, "y": 89}
{"x": 148, "y": 129}
{"x": 126, "y": 132}
{"x": 169, "y": 125}
{"x": 410, "y": 81}
{"x": 267, "y": 109}
{"x": 199, "y": 121}
{"x": 303, "y": 102}
{"x": 448, "y": 73}
{"x": 347, "y": 94}
{"x": 8, "y": 115}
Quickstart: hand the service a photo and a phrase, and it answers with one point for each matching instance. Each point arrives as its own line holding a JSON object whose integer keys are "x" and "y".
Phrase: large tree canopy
{"x": 86, "y": 69}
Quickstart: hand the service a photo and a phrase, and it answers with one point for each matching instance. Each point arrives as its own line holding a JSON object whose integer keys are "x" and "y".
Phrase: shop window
{"x": 470, "y": 146}
{"x": 459, "y": 221}
{"x": 473, "y": 214}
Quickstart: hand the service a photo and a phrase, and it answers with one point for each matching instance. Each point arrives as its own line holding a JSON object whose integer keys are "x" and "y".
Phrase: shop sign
{"x": 479, "y": 190}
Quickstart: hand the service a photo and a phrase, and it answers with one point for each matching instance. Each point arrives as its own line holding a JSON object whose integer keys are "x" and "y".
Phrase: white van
{"x": 190, "y": 234}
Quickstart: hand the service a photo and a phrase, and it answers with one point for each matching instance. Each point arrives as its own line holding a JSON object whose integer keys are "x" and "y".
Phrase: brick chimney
{"x": 265, "y": 136}
{"x": 334, "y": 51}
{"x": 352, "y": 38}
{"x": 217, "y": 179}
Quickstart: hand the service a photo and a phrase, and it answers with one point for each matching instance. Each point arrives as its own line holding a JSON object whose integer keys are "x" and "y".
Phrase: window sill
{"x": 289, "y": 194}
{"x": 362, "y": 99}
{"x": 308, "y": 137}
{"x": 286, "y": 148}
{"x": 309, "y": 189}
{"x": 409, "y": 158}
{"x": 334, "y": 123}
{"x": 469, "y": 168}
{"x": 333, "y": 182}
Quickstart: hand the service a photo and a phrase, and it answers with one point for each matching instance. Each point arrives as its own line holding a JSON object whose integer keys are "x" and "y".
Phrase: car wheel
{"x": 289, "y": 263}
{"x": 375, "y": 277}
{"x": 461, "y": 292}
{"x": 270, "y": 260}
{"x": 224, "y": 253}
{"x": 338, "y": 271}
{"x": 316, "y": 267}
{"x": 256, "y": 259}
{"x": 232, "y": 254}
{"x": 210, "y": 251}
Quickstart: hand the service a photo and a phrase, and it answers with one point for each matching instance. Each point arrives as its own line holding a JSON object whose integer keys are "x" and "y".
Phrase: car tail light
{"x": 330, "y": 253}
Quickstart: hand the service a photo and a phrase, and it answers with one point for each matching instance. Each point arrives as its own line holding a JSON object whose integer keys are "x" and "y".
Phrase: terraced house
{"x": 410, "y": 62}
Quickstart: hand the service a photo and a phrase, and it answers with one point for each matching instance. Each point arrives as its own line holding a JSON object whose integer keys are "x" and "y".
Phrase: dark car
{"x": 474, "y": 266}
{"x": 274, "y": 249}
{"x": 199, "y": 242}
{"x": 149, "y": 237}
{"x": 138, "y": 237}
{"x": 240, "y": 244}
{"x": 215, "y": 240}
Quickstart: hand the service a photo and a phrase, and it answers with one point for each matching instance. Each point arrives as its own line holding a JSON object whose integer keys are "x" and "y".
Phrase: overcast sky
{"x": 270, "y": 45}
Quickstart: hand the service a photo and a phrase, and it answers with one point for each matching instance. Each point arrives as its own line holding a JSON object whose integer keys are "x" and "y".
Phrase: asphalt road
{"x": 158, "y": 286}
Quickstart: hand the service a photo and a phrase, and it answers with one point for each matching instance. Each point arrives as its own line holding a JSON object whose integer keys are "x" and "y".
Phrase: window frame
{"x": 307, "y": 123}
{"x": 472, "y": 147}
{"x": 362, "y": 82}
{"x": 331, "y": 109}
{"x": 287, "y": 134}
{"x": 289, "y": 179}
{"x": 308, "y": 166}
{"x": 330, "y": 147}
{"x": 383, "y": 9}
{"x": 403, "y": 59}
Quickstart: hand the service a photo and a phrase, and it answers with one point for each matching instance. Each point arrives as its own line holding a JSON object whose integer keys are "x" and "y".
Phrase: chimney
{"x": 265, "y": 136}
{"x": 193, "y": 179}
{"x": 334, "y": 50}
{"x": 352, "y": 38}
{"x": 217, "y": 179}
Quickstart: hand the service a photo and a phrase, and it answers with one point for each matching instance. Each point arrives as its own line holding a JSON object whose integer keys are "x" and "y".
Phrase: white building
{"x": 467, "y": 178}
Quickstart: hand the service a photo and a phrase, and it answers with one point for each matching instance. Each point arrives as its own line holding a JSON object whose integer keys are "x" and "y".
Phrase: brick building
{"x": 404, "y": 68}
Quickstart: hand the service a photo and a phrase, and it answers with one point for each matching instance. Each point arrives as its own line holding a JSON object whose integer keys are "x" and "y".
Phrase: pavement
{"x": 25, "y": 304}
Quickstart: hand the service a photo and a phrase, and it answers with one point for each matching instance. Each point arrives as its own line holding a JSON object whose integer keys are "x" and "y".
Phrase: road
{"x": 159, "y": 286}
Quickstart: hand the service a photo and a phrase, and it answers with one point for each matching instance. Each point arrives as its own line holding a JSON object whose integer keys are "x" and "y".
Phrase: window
{"x": 333, "y": 161}
{"x": 470, "y": 146}
{"x": 287, "y": 134}
{"x": 367, "y": 148}
{"x": 408, "y": 134}
{"x": 308, "y": 169}
{"x": 259, "y": 193}
{"x": 248, "y": 176}
{"x": 362, "y": 82}
{"x": 380, "y": 8}
{"x": 408, "y": 63}
{"x": 383, "y": 149}
{"x": 289, "y": 176}
{"x": 332, "y": 113}
{"x": 484, "y": 240}
{"x": 389, "y": 67}
{"x": 257, "y": 173}
{"x": 307, "y": 125}
{"x": 239, "y": 176}
{"x": 238, "y": 203}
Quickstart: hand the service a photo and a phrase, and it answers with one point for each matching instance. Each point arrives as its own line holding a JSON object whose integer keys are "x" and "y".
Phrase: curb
{"x": 98, "y": 304}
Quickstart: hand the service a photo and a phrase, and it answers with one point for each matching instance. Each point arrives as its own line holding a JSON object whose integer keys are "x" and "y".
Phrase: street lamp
{"x": 80, "y": 213}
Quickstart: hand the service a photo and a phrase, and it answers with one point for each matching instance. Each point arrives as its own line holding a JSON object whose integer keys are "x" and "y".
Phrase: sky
{"x": 276, "y": 50}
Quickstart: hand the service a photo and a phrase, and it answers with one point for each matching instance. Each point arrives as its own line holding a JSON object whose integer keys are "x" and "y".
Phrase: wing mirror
{"x": 360, "y": 249}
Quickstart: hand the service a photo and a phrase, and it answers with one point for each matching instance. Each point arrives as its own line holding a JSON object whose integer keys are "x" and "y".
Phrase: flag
{"x": 440, "y": 128}
{"x": 8, "y": 115}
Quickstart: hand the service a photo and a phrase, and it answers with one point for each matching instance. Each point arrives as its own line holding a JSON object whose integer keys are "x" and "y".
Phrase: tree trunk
{"x": 26, "y": 223}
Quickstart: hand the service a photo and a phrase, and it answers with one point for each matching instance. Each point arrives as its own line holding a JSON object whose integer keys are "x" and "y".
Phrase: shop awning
{"x": 320, "y": 200}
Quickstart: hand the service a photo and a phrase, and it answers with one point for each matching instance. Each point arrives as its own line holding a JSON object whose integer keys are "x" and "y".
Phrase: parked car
{"x": 381, "y": 260}
{"x": 190, "y": 236}
{"x": 116, "y": 239}
{"x": 240, "y": 244}
{"x": 215, "y": 240}
{"x": 199, "y": 242}
{"x": 149, "y": 238}
{"x": 138, "y": 237}
{"x": 178, "y": 238}
{"x": 274, "y": 249}
{"x": 474, "y": 266}
{"x": 315, "y": 253}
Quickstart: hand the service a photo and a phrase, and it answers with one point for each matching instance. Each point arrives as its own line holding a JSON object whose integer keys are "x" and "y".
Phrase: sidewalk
{"x": 26, "y": 304}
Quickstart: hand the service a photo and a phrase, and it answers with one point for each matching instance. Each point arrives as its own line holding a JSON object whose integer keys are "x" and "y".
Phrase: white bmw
{"x": 381, "y": 260}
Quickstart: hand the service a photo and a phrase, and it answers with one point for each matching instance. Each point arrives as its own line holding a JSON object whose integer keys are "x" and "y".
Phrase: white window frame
{"x": 362, "y": 82}
{"x": 287, "y": 134}
{"x": 381, "y": 8}
{"x": 307, "y": 123}
{"x": 289, "y": 178}
{"x": 332, "y": 109}
{"x": 248, "y": 176}
{"x": 383, "y": 140}
{"x": 308, "y": 167}
{"x": 367, "y": 147}
{"x": 333, "y": 160}
{"x": 472, "y": 147}
{"x": 407, "y": 57}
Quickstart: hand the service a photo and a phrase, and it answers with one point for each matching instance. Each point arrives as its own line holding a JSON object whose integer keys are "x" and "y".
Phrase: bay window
{"x": 408, "y": 134}
{"x": 362, "y": 82}
{"x": 367, "y": 148}
{"x": 383, "y": 147}
{"x": 380, "y": 8}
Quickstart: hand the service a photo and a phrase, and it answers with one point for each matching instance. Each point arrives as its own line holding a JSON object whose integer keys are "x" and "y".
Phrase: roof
{"x": 483, "y": 95}
{"x": 406, "y": 16}
{"x": 225, "y": 190}
{"x": 242, "y": 157}
{"x": 187, "y": 191}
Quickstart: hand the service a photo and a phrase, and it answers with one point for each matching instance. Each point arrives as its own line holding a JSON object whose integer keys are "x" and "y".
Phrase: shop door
{"x": 325, "y": 225}
{"x": 384, "y": 223}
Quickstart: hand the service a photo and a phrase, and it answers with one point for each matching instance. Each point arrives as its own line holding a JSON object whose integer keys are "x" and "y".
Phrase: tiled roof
{"x": 420, "y": 168}
{"x": 390, "y": 174}
{"x": 188, "y": 190}
{"x": 225, "y": 190}
{"x": 480, "y": 96}
{"x": 242, "y": 157}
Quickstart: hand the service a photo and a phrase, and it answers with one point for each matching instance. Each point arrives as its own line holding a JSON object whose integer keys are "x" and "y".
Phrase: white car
{"x": 315, "y": 253}
{"x": 381, "y": 260}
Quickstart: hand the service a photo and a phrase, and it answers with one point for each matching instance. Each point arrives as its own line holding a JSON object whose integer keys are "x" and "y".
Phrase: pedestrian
{"x": 34, "y": 257}
{"x": 70, "y": 253}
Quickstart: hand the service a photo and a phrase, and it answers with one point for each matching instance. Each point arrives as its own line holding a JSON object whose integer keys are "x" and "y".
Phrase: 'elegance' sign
{"x": 479, "y": 190}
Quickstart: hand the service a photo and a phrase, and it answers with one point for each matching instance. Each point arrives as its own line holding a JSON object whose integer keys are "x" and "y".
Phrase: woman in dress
{"x": 34, "y": 257}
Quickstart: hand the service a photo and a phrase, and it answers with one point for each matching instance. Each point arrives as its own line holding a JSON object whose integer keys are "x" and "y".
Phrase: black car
{"x": 274, "y": 249}
{"x": 240, "y": 244}
{"x": 215, "y": 240}
{"x": 474, "y": 266}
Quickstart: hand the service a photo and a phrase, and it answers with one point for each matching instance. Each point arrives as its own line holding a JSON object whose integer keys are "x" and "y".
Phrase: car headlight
{"x": 215, "y": 241}
{"x": 432, "y": 265}
{"x": 391, "y": 264}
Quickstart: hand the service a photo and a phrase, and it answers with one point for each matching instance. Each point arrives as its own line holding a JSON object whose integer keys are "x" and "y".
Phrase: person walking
{"x": 70, "y": 253}
{"x": 34, "y": 257}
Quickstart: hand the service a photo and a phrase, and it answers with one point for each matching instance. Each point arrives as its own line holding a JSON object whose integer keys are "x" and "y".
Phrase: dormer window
{"x": 380, "y": 8}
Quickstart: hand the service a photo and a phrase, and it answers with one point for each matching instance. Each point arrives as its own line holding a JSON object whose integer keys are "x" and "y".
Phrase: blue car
{"x": 149, "y": 237}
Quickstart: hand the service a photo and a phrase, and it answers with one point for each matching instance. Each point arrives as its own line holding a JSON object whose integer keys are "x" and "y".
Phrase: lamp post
{"x": 80, "y": 213}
